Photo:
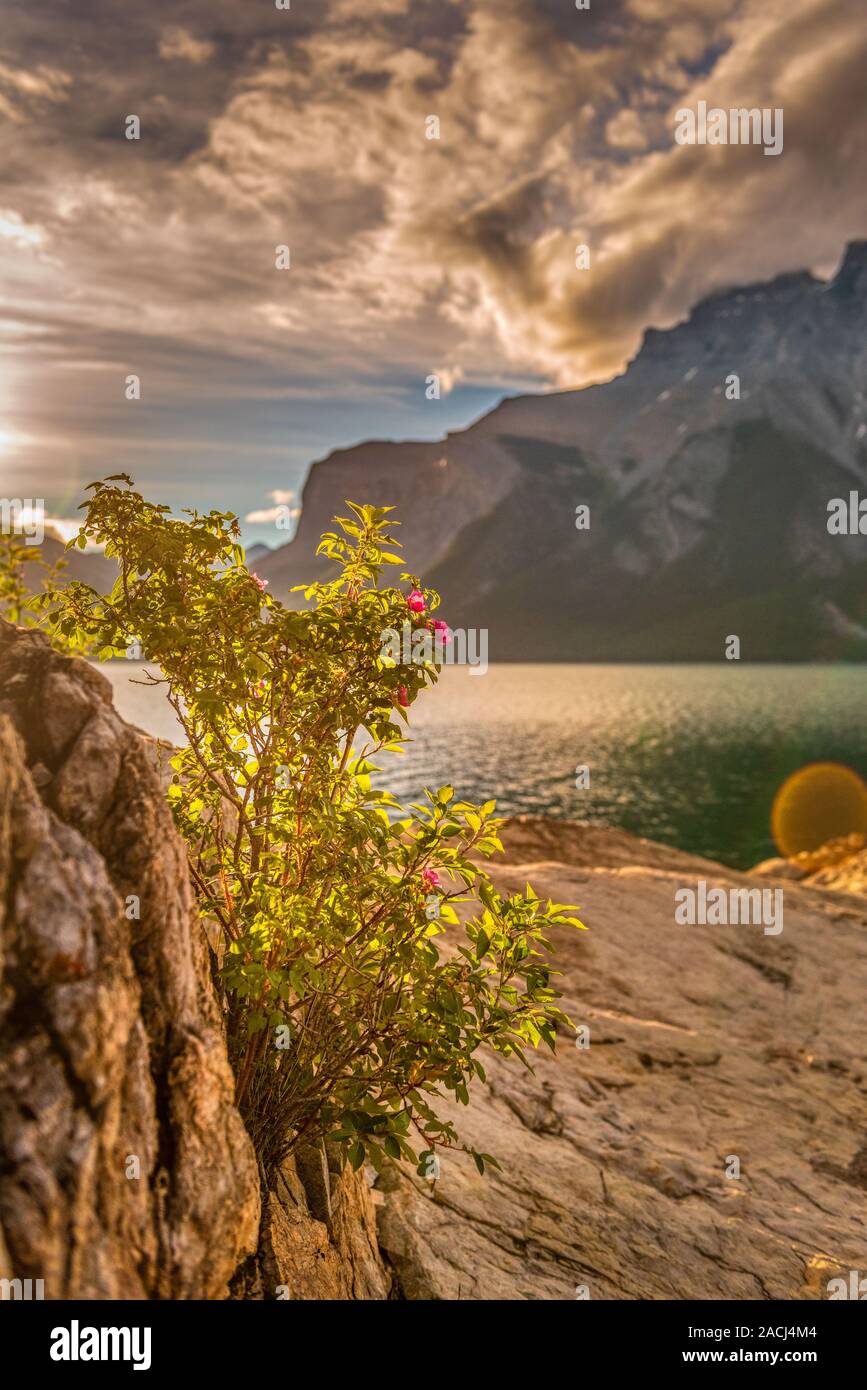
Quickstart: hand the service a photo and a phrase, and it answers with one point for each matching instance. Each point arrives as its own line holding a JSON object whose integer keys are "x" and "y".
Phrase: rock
{"x": 840, "y": 864}
{"x": 307, "y": 1252}
{"x": 779, "y": 868}
{"x": 706, "y": 1044}
{"x": 846, "y": 876}
{"x": 127, "y": 1171}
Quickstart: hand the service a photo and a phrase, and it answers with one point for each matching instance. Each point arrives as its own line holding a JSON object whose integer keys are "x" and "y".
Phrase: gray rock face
{"x": 127, "y": 1171}
{"x": 706, "y": 1044}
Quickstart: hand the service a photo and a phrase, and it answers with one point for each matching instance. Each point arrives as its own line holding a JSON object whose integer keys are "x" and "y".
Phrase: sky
{"x": 308, "y": 128}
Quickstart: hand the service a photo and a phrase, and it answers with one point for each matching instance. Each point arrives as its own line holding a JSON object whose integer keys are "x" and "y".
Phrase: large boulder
{"x": 127, "y": 1170}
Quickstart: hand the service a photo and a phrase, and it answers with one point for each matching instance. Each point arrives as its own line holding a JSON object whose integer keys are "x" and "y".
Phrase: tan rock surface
{"x": 705, "y": 1042}
{"x": 318, "y": 1237}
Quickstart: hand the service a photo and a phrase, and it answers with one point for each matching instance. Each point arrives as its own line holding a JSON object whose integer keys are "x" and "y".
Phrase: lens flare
{"x": 818, "y": 803}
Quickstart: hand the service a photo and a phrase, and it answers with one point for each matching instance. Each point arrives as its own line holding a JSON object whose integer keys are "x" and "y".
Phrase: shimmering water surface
{"x": 690, "y": 755}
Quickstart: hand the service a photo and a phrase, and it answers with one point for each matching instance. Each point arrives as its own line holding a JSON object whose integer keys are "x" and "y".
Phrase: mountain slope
{"x": 88, "y": 566}
{"x": 708, "y": 515}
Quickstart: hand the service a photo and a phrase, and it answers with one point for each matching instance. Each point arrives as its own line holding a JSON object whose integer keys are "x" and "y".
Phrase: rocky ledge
{"x": 706, "y": 1044}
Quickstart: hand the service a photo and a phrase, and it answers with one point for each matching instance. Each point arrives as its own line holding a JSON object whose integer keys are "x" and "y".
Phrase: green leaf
{"x": 486, "y": 893}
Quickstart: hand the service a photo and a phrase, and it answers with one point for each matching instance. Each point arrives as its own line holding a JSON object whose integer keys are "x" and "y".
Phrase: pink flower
{"x": 430, "y": 878}
{"x": 402, "y": 697}
{"x": 440, "y": 630}
{"x": 415, "y": 601}
{"x": 258, "y": 690}
{"x": 261, "y": 584}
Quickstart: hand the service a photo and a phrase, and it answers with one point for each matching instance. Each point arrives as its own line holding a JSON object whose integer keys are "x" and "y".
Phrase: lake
{"x": 689, "y": 755}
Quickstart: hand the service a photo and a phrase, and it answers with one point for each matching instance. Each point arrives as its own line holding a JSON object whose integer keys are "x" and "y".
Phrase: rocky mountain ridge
{"x": 708, "y": 515}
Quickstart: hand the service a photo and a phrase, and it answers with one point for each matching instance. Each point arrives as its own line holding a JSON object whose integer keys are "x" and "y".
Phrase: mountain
{"x": 708, "y": 515}
{"x": 257, "y": 552}
{"x": 88, "y": 567}
{"x": 94, "y": 568}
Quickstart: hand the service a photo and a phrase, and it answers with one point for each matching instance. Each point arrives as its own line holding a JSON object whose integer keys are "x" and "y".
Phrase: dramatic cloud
{"x": 308, "y": 128}
{"x": 179, "y": 43}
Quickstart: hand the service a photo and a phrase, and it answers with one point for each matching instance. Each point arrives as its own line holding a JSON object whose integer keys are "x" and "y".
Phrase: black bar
{"x": 250, "y": 1338}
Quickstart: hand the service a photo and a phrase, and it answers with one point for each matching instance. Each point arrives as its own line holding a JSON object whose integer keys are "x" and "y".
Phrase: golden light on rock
{"x": 818, "y": 803}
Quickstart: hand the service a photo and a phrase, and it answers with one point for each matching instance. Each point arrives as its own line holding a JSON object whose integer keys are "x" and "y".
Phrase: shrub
{"x": 346, "y": 1020}
{"x": 25, "y": 577}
